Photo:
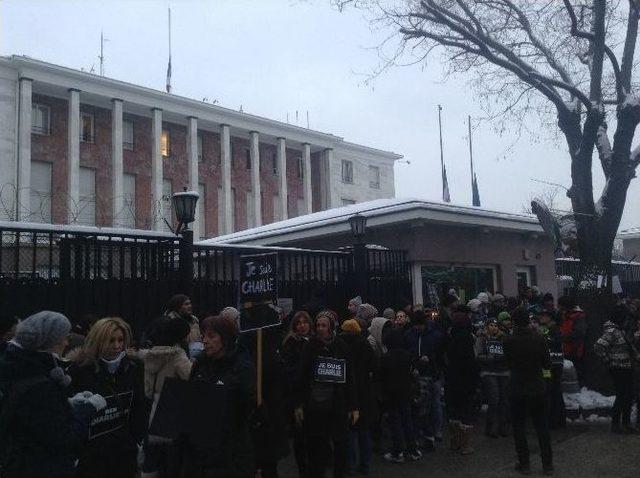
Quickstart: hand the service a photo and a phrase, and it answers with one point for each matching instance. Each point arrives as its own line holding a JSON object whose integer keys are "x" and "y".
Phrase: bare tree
{"x": 573, "y": 59}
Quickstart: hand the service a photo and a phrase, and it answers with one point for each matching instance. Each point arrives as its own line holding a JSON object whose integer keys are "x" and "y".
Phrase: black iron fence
{"x": 628, "y": 273}
{"x": 82, "y": 271}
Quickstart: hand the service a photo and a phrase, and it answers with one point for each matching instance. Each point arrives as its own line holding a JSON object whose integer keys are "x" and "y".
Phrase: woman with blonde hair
{"x": 103, "y": 367}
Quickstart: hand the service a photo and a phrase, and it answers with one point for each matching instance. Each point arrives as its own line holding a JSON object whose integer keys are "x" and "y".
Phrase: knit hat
{"x": 389, "y": 313}
{"x": 366, "y": 312}
{"x": 356, "y": 301}
{"x": 351, "y": 326}
{"x": 504, "y": 316}
{"x": 497, "y": 298}
{"x": 474, "y": 304}
{"x": 331, "y": 315}
{"x": 230, "y": 313}
{"x": 483, "y": 297}
{"x": 42, "y": 331}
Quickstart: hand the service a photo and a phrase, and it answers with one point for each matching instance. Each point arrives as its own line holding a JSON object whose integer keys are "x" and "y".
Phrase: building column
{"x": 306, "y": 174}
{"x": 192, "y": 155}
{"x": 325, "y": 179}
{"x": 23, "y": 186}
{"x": 117, "y": 173}
{"x": 282, "y": 172}
{"x": 73, "y": 157}
{"x": 254, "y": 152}
{"x": 225, "y": 153}
{"x": 156, "y": 170}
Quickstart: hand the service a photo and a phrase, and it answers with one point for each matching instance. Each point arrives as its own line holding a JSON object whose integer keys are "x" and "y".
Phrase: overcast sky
{"x": 279, "y": 56}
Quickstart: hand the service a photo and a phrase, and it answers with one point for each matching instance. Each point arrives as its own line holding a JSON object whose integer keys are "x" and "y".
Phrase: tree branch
{"x": 603, "y": 146}
{"x": 629, "y": 45}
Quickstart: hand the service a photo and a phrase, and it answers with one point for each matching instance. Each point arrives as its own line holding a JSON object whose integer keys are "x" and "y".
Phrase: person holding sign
{"x": 494, "y": 375}
{"x": 223, "y": 366}
{"x": 326, "y": 401}
{"x": 114, "y": 434}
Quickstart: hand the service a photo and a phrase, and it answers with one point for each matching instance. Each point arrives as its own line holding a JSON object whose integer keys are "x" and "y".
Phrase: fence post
{"x": 360, "y": 270}
{"x": 186, "y": 261}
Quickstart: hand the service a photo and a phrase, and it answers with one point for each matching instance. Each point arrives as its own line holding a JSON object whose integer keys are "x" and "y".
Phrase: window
{"x": 274, "y": 163}
{"x": 200, "y": 154}
{"x": 347, "y": 171}
{"x": 300, "y": 167}
{"x": 347, "y": 202}
{"x": 86, "y": 128}
{"x": 167, "y": 189}
{"x": 40, "y": 193}
{"x": 201, "y": 205}
{"x": 247, "y": 153}
{"x": 40, "y": 119}
{"x": 468, "y": 281}
{"x": 233, "y": 155}
{"x": 526, "y": 276}
{"x": 127, "y": 135}
{"x": 374, "y": 177}
{"x": 129, "y": 200}
{"x": 86, "y": 211}
{"x": 165, "y": 143}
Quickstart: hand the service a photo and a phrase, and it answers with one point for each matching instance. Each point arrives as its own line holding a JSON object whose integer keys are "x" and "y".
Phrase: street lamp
{"x": 358, "y": 224}
{"x": 184, "y": 204}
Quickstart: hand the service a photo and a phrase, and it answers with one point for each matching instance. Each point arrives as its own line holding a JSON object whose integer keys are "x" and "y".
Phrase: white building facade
{"x": 77, "y": 148}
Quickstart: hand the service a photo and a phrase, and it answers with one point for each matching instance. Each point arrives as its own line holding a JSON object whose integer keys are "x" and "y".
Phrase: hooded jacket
{"x": 161, "y": 362}
{"x": 375, "y": 337}
{"x": 527, "y": 355}
{"x": 613, "y": 348}
{"x": 429, "y": 342}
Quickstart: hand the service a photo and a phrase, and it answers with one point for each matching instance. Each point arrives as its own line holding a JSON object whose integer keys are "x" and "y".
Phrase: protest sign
{"x": 113, "y": 417}
{"x": 330, "y": 370}
{"x": 258, "y": 291}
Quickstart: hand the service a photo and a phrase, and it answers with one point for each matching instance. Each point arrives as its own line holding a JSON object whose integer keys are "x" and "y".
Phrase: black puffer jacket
{"x": 234, "y": 459}
{"x": 462, "y": 372}
{"x": 116, "y": 431}
{"x": 527, "y": 355}
{"x": 40, "y": 433}
{"x": 364, "y": 367}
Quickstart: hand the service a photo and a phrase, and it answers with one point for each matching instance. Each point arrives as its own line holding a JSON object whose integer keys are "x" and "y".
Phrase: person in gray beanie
{"x": 41, "y": 430}
{"x": 389, "y": 313}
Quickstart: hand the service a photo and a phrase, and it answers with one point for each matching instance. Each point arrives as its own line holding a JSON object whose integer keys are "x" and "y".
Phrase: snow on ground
{"x": 587, "y": 400}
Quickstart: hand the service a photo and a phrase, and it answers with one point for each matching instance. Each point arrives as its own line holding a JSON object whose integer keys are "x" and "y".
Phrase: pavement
{"x": 581, "y": 450}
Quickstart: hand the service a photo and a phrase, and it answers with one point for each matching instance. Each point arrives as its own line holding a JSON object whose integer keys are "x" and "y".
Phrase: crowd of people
{"x": 81, "y": 400}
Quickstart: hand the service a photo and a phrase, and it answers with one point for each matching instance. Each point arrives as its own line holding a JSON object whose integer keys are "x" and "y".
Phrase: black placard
{"x": 330, "y": 370}
{"x": 258, "y": 291}
{"x": 195, "y": 410}
{"x": 113, "y": 417}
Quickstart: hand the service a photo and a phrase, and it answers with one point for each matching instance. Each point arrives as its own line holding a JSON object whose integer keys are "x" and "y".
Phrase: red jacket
{"x": 573, "y": 330}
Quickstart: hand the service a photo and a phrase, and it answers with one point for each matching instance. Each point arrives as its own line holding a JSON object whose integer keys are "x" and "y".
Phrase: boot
{"x": 465, "y": 440}
{"x": 454, "y": 435}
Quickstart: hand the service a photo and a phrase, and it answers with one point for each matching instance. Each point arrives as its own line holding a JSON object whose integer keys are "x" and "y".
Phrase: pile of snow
{"x": 587, "y": 400}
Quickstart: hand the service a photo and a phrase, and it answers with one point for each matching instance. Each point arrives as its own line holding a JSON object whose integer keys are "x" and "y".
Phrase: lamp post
{"x": 358, "y": 225}
{"x": 184, "y": 204}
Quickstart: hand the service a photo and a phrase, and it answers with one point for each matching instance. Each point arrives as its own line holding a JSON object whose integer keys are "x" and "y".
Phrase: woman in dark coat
{"x": 326, "y": 401}
{"x": 461, "y": 379}
{"x": 222, "y": 365}
{"x": 364, "y": 365}
{"x": 291, "y": 352}
{"x": 116, "y": 434}
{"x": 41, "y": 431}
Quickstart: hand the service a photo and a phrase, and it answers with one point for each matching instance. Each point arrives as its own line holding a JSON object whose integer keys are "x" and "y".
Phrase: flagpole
{"x": 441, "y": 151}
{"x": 470, "y": 152}
{"x": 169, "y": 66}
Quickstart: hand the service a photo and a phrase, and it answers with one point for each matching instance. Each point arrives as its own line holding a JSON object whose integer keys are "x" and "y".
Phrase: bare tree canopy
{"x": 573, "y": 58}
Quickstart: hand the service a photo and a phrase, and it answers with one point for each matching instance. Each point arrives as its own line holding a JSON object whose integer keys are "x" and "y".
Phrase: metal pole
{"x": 470, "y": 153}
{"x": 441, "y": 149}
{"x": 360, "y": 269}
{"x": 186, "y": 261}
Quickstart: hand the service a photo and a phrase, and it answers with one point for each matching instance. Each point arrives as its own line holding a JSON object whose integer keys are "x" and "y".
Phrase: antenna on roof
{"x": 296, "y": 117}
{"x": 101, "y": 57}
{"x": 287, "y": 116}
{"x": 307, "y": 119}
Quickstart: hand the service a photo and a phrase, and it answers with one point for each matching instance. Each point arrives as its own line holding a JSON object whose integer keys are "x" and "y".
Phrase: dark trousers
{"x": 557, "y": 411}
{"x": 401, "y": 425}
{"x": 535, "y": 407}
{"x": 299, "y": 449}
{"x": 623, "y": 383}
{"x": 320, "y": 447}
{"x": 496, "y": 390}
{"x": 360, "y": 450}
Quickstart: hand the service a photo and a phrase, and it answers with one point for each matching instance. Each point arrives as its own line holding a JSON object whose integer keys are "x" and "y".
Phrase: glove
{"x": 298, "y": 414}
{"x": 98, "y": 402}
{"x": 354, "y": 416}
{"x": 77, "y": 399}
